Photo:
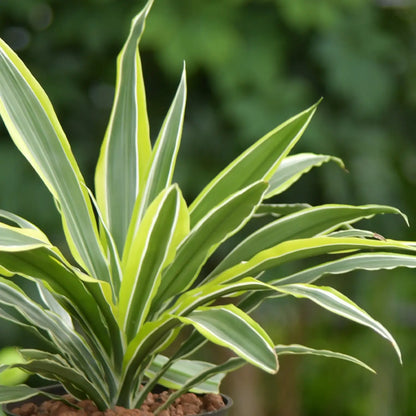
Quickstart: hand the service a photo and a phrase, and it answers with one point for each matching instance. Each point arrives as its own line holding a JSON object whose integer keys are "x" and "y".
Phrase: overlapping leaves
{"x": 142, "y": 267}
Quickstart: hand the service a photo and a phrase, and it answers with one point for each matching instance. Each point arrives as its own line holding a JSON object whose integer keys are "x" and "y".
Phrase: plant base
{"x": 188, "y": 404}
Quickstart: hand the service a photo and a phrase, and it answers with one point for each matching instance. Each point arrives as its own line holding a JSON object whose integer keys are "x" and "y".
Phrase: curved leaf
{"x": 308, "y": 247}
{"x": 302, "y": 350}
{"x": 54, "y": 366}
{"x": 335, "y": 302}
{"x": 35, "y": 129}
{"x": 182, "y": 371}
{"x": 257, "y": 163}
{"x": 293, "y": 167}
{"x": 309, "y": 222}
{"x": 230, "y": 327}
{"x": 63, "y": 337}
{"x": 361, "y": 261}
{"x": 43, "y": 265}
{"x": 218, "y": 225}
{"x": 11, "y": 394}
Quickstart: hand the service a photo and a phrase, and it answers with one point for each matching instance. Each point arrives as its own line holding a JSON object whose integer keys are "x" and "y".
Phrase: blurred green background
{"x": 251, "y": 64}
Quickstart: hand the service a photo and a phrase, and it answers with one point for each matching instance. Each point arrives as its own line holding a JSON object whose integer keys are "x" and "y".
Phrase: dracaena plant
{"x": 135, "y": 278}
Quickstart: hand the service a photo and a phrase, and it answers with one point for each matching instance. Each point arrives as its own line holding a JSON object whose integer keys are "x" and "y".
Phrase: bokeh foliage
{"x": 251, "y": 64}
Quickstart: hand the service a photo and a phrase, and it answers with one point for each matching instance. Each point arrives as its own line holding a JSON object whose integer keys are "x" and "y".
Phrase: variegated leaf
{"x": 337, "y": 303}
{"x": 163, "y": 159}
{"x": 230, "y": 327}
{"x": 218, "y": 225}
{"x": 165, "y": 224}
{"x": 303, "y": 248}
{"x": 121, "y": 167}
{"x": 35, "y": 129}
{"x": 293, "y": 167}
{"x": 259, "y": 162}
{"x": 306, "y": 223}
{"x": 297, "y": 349}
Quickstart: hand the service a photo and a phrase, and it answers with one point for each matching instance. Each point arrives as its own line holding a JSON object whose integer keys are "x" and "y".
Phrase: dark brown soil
{"x": 188, "y": 404}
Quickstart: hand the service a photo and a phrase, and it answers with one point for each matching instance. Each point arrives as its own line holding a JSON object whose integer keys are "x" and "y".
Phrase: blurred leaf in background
{"x": 251, "y": 64}
{"x": 11, "y": 376}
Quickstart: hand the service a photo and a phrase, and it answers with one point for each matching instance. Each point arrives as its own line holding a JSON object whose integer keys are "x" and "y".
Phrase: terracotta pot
{"x": 59, "y": 390}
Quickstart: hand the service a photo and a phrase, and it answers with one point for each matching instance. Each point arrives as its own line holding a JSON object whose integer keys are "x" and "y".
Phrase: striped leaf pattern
{"x": 163, "y": 227}
{"x": 145, "y": 266}
{"x": 34, "y": 128}
{"x": 121, "y": 166}
{"x": 232, "y": 328}
{"x": 306, "y": 223}
{"x": 293, "y": 167}
{"x": 259, "y": 162}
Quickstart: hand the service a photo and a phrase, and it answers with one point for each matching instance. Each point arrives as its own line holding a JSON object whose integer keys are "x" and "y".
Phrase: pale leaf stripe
{"x": 232, "y": 328}
{"x": 217, "y": 226}
{"x": 121, "y": 164}
{"x": 297, "y": 349}
{"x": 296, "y": 249}
{"x": 166, "y": 148}
{"x": 293, "y": 167}
{"x": 309, "y": 222}
{"x": 362, "y": 261}
{"x": 258, "y": 162}
{"x": 162, "y": 228}
{"x": 336, "y": 302}
{"x": 35, "y": 129}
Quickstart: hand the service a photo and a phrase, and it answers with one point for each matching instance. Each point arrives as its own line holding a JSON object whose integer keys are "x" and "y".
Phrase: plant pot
{"x": 59, "y": 390}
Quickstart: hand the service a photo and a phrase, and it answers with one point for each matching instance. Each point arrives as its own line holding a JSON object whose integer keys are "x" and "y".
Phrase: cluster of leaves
{"x": 150, "y": 293}
{"x": 231, "y": 86}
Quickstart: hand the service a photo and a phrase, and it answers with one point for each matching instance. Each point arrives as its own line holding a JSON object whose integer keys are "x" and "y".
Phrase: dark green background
{"x": 251, "y": 65}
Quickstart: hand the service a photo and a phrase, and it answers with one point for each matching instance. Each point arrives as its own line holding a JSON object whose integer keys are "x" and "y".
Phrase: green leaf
{"x": 293, "y": 167}
{"x": 14, "y": 239}
{"x": 218, "y": 225}
{"x": 279, "y": 210}
{"x": 306, "y": 223}
{"x": 141, "y": 350}
{"x": 302, "y": 350}
{"x": 126, "y": 149}
{"x": 257, "y": 163}
{"x": 63, "y": 337}
{"x": 56, "y": 367}
{"x": 11, "y": 376}
{"x": 208, "y": 292}
{"x": 165, "y": 224}
{"x": 44, "y": 264}
{"x": 230, "y": 327}
{"x": 361, "y": 261}
{"x": 231, "y": 364}
{"x": 11, "y": 394}
{"x": 53, "y": 305}
{"x": 182, "y": 371}
{"x": 335, "y": 302}
{"x": 162, "y": 165}
{"x": 35, "y": 129}
{"x": 22, "y": 223}
{"x": 302, "y": 248}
